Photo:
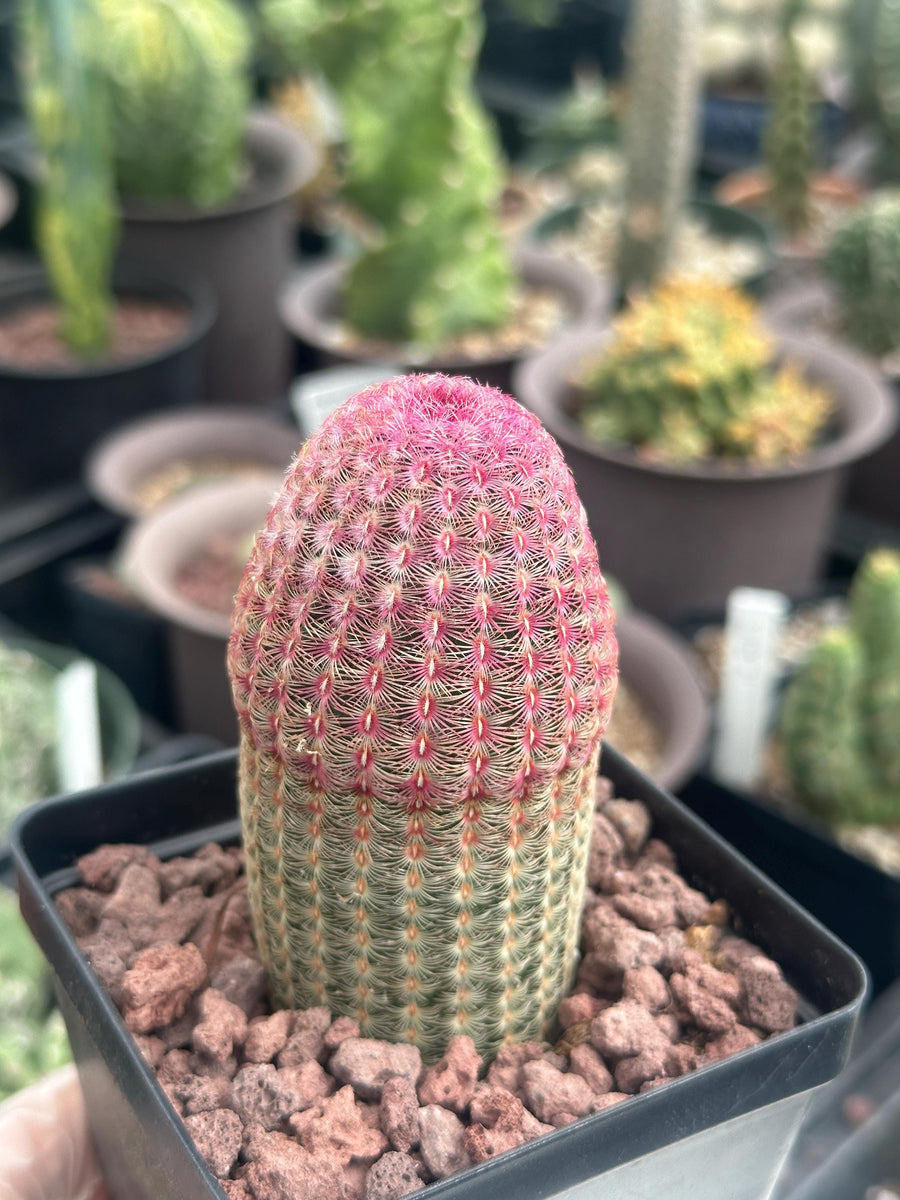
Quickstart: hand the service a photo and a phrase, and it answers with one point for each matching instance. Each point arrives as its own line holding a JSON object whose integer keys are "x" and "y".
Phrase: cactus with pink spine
{"x": 423, "y": 663}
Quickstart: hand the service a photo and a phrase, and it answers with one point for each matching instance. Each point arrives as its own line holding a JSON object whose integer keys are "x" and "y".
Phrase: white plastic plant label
{"x": 317, "y": 395}
{"x": 79, "y": 757}
{"x": 753, "y": 628}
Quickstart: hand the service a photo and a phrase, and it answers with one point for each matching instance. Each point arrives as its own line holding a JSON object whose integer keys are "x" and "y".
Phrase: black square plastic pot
{"x": 856, "y": 899}
{"x": 722, "y": 1131}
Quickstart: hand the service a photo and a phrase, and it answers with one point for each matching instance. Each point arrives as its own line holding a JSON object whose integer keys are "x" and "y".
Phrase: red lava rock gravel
{"x": 292, "y": 1105}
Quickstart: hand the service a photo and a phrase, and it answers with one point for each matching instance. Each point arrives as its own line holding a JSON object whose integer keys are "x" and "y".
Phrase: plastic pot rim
{"x": 200, "y": 510}
{"x": 107, "y": 477}
{"x": 307, "y": 302}
{"x": 270, "y": 141}
{"x": 129, "y": 279}
{"x": 541, "y": 381}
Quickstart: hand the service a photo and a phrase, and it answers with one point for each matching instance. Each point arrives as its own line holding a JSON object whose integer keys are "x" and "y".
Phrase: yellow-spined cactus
{"x": 689, "y": 374}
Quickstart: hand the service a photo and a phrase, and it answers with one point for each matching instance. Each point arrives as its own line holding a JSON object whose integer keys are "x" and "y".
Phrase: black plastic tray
{"x": 855, "y": 899}
{"x": 144, "y": 1147}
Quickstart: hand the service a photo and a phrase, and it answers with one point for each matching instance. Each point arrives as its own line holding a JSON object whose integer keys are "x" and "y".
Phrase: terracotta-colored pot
{"x": 119, "y": 465}
{"x": 311, "y": 305}
{"x": 874, "y": 486}
{"x": 660, "y": 668}
{"x": 243, "y": 249}
{"x": 679, "y": 537}
{"x": 154, "y": 551}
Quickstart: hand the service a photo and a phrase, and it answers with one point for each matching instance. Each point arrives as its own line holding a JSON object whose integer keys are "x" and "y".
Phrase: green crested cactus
{"x": 863, "y": 263}
{"x": 840, "y": 724}
{"x": 689, "y": 374}
{"x": 788, "y": 143}
{"x": 76, "y": 225}
{"x": 179, "y": 80}
{"x": 660, "y": 134}
{"x": 423, "y": 663}
{"x": 423, "y": 166}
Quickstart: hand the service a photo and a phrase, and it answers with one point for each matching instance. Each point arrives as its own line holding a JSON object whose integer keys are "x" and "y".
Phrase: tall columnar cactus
{"x": 873, "y": 42}
{"x": 660, "y": 133}
{"x": 789, "y": 137}
{"x": 863, "y": 264}
{"x": 76, "y": 216}
{"x": 840, "y": 727}
{"x": 178, "y": 73}
{"x": 423, "y": 166}
{"x": 689, "y": 374}
{"x": 423, "y": 663}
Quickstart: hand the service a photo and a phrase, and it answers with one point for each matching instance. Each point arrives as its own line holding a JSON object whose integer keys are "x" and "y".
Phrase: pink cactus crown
{"x": 423, "y": 616}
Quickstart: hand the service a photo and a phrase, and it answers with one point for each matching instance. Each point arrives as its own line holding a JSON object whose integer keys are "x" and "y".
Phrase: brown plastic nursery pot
{"x": 681, "y": 536}
{"x": 750, "y": 190}
{"x": 154, "y": 551}
{"x": 874, "y": 485}
{"x": 51, "y": 416}
{"x": 243, "y": 249}
{"x": 120, "y": 463}
{"x": 661, "y": 669}
{"x": 311, "y": 309}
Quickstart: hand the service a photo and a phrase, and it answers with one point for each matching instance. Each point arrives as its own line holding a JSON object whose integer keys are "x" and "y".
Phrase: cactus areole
{"x": 423, "y": 664}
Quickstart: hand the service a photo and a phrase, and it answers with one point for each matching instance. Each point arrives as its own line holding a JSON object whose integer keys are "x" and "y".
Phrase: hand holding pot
{"x": 46, "y": 1145}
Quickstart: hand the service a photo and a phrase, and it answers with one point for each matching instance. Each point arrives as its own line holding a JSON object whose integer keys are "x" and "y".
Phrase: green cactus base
{"x": 428, "y": 962}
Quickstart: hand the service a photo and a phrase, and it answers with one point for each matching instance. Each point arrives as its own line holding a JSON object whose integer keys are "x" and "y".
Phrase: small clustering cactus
{"x": 423, "y": 664}
{"x": 689, "y": 374}
{"x": 840, "y": 726}
{"x": 76, "y": 225}
{"x": 179, "y": 82}
{"x": 660, "y": 134}
{"x": 789, "y": 137}
{"x": 423, "y": 168}
{"x": 863, "y": 263}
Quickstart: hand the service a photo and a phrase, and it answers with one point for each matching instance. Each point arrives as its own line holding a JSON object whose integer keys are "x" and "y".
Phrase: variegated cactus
{"x": 423, "y": 663}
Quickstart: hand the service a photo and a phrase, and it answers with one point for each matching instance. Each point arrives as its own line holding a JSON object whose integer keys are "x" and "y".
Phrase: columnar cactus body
{"x": 689, "y": 374}
{"x": 423, "y": 663}
{"x": 76, "y": 216}
{"x": 789, "y": 137}
{"x": 863, "y": 264}
{"x": 840, "y": 727}
{"x": 660, "y": 133}
{"x": 423, "y": 166}
{"x": 178, "y": 73}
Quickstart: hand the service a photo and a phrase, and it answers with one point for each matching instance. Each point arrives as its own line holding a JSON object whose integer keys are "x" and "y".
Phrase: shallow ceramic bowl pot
{"x": 681, "y": 536}
{"x": 722, "y": 1131}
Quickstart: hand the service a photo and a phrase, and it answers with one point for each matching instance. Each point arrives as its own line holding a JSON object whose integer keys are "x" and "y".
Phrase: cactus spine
{"x": 423, "y": 663}
{"x": 660, "y": 133}
{"x": 840, "y": 727}
{"x": 76, "y": 215}
{"x": 423, "y": 166}
{"x": 863, "y": 264}
{"x": 789, "y": 137}
{"x": 178, "y": 73}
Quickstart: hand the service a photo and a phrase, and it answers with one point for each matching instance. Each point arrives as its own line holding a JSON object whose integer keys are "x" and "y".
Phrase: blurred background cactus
{"x": 67, "y": 101}
{"x": 863, "y": 264}
{"x": 840, "y": 725}
{"x": 27, "y": 732}
{"x": 180, "y": 86}
{"x": 423, "y": 167}
{"x": 873, "y": 44}
{"x": 33, "y": 1036}
{"x": 423, "y": 663}
{"x": 740, "y": 41}
{"x": 789, "y": 151}
{"x": 660, "y": 133}
{"x": 689, "y": 374}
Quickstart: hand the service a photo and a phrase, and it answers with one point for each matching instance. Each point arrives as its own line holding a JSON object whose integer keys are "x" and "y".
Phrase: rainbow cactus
{"x": 423, "y": 663}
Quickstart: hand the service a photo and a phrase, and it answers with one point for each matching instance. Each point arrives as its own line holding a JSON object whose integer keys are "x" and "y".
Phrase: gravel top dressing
{"x": 298, "y": 1105}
